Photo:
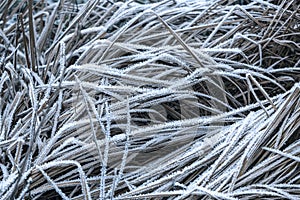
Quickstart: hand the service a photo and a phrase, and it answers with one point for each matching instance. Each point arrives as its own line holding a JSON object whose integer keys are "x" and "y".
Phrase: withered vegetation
{"x": 169, "y": 100}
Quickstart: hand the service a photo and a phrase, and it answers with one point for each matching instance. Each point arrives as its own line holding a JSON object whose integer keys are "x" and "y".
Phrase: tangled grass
{"x": 167, "y": 100}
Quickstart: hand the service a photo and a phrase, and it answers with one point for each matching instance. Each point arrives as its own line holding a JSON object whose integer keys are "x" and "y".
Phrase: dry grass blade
{"x": 32, "y": 36}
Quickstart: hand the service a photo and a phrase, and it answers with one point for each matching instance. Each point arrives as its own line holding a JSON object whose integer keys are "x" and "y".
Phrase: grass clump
{"x": 164, "y": 100}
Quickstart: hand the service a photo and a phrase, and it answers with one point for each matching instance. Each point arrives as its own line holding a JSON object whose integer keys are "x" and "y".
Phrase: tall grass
{"x": 167, "y": 100}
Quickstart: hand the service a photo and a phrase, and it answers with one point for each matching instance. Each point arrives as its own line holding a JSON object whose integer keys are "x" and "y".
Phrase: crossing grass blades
{"x": 167, "y": 100}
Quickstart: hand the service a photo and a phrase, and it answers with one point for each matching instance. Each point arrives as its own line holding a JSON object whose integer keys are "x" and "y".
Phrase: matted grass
{"x": 169, "y": 100}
